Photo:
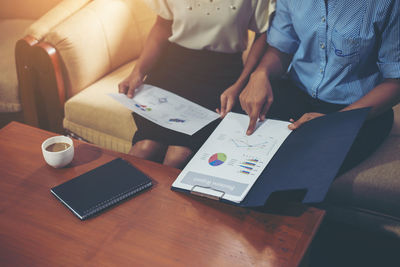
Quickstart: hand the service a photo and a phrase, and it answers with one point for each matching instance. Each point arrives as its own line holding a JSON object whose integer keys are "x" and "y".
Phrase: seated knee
{"x": 145, "y": 149}
{"x": 176, "y": 162}
{"x": 177, "y": 159}
{"x": 146, "y": 145}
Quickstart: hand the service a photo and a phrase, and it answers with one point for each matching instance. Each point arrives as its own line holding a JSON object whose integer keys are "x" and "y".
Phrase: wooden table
{"x": 159, "y": 227}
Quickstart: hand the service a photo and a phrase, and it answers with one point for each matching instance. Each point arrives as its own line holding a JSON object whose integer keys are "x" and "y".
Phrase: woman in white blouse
{"x": 195, "y": 50}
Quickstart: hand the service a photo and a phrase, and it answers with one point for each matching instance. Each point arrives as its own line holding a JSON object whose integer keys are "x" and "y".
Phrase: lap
{"x": 199, "y": 76}
{"x": 292, "y": 102}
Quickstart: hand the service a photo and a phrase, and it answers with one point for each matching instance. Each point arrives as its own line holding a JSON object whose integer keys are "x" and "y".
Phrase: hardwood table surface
{"x": 158, "y": 227}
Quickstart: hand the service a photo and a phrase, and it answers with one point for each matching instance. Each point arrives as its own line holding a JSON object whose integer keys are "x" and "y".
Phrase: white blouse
{"x": 216, "y": 25}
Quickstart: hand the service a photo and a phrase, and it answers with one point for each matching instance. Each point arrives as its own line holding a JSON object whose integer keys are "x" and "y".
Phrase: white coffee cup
{"x": 60, "y": 158}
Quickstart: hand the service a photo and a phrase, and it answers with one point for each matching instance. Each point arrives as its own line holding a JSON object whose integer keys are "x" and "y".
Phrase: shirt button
{"x": 321, "y": 70}
{"x": 323, "y": 19}
{"x": 322, "y": 45}
{"x": 313, "y": 94}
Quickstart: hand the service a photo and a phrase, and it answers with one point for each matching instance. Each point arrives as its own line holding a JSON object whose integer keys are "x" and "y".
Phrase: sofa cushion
{"x": 371, "y": 189}
{"x": 11, "y": 30}
{"x": 98, "y": 118}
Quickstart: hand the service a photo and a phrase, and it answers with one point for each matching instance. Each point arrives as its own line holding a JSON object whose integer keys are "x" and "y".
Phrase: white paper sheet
{"x": 229, "y": 162}
{"x": 167, "y": 109}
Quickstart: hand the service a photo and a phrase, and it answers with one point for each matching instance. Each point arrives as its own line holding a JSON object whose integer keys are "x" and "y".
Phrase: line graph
{"x": 244, "y": 143}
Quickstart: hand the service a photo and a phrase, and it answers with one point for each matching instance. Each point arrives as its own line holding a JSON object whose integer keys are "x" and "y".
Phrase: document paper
{"x": 229, "y": 162}
{"x": 167, "y": 109}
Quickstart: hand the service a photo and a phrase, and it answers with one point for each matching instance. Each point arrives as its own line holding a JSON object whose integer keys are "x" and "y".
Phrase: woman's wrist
{"x": 239, "y": 85}
{"x": 260, "y": 73}
{"x": 137, "y": 72}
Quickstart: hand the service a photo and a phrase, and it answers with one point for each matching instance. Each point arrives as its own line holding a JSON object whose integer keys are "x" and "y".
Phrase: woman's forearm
{"x": 154, "y": 47}
{"x": 380, "y": 99}
{"x": 257, "y": 49}
{"x": 273, "y": 64}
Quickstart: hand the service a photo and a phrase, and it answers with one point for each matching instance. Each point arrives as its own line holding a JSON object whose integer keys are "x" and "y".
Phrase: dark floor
{"x": 342, "y": 245}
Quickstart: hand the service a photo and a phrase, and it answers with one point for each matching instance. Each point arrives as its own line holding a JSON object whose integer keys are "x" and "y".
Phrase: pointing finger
{"x": 252, "y": 125}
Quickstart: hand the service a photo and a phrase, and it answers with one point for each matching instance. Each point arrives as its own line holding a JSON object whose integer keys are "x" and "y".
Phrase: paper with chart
{"x": 229, "y": 162}
{"x": 167, "y": 109}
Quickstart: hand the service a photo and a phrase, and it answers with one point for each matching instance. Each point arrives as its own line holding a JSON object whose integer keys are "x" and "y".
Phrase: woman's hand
{"x": 228, "y": 100}
{"x": 130, "y": 83}
{"x": 155, "y": 46}
{"x": 256, "y": 99}
{"x": 306, "y": 117}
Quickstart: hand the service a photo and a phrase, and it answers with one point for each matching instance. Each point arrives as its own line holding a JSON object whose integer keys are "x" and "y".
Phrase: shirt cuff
{"x": 282, "y": 42}
{"x": 390, "y": 70}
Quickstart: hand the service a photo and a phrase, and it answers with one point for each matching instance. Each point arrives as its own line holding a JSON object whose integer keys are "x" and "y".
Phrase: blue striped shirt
{"x": 341, "y": 49}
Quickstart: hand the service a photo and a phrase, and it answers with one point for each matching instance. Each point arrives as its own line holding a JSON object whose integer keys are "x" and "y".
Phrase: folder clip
{"x": 207, "y": 192}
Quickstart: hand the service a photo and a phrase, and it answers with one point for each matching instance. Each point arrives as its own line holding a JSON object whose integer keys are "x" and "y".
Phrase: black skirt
{"x": 200, "y": 76}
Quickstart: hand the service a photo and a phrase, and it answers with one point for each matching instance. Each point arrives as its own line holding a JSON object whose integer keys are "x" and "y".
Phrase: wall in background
{"x": 25, "y": 9}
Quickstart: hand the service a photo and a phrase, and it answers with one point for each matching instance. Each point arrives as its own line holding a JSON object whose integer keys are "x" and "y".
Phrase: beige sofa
{"x": 88, "y": 54}
{"x": 28, "y": 66}
{"x": 29, "y": 20}
{"x": 369, "y": 194}
{"x": 82, "y": 59}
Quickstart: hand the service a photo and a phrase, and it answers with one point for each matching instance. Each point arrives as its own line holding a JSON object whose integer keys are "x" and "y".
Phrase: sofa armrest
{"x": 27, "y": 67}
{"x": 81, "y": 49}
{"x": 25, "y": 83}
{"x": 41, "y": 84}
{"x": 99, "y": 38}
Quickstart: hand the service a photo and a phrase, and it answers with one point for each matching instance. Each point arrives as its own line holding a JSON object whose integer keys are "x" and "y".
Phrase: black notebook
{"x": 101, "y": 188}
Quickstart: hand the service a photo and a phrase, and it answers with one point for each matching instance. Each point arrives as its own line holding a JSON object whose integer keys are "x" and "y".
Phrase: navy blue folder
{"x": 308, "y": 160}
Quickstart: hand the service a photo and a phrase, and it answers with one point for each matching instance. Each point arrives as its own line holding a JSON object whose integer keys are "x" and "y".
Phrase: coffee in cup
{"x": 58, "y": 151}
{"x": 56, "y": 147}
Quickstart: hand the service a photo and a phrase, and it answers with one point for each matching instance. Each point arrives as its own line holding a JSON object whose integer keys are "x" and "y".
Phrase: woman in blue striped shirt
{"x": 334, "y": 56}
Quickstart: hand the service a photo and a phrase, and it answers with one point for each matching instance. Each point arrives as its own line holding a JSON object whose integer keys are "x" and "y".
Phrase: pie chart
{"x": 217, "y": 159}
